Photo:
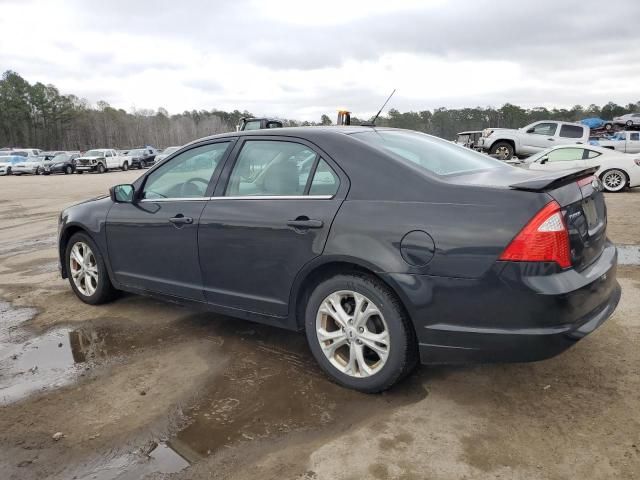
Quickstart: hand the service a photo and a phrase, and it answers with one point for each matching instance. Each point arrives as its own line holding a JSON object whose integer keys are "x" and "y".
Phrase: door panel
{"x": 539, "y": 137}
{"x": 148, "y": 251}
{"x": 250, "y": 255}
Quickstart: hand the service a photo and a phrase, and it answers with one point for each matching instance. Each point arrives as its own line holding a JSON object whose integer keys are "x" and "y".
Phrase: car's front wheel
{"x": 614, "y": 180}
{"x": 86, "y": 270}
{"x": 125, "y": 166}
{"x": 101, "y": 168}
{"x": 359, "y": 334}
{"x": 502, "y": 150}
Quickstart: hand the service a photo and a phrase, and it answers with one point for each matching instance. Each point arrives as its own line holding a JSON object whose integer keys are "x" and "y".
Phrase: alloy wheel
{"x": 84, "y": 268}
{"x": 614, "y": 180}
{"x": 353, "y": 334}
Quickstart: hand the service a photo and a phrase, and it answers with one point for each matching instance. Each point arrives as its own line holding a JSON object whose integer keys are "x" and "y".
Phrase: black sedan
{"x": 62, "y": 163}
{"x": 385, "y": 246}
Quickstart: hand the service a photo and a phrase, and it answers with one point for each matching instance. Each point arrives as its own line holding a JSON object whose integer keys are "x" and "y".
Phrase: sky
{"x": 299, "y": 59}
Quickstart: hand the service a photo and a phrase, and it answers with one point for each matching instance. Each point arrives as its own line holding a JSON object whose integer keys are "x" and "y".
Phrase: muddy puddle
{"x": 269, "y": 388}
{"x": 628, "y": 254}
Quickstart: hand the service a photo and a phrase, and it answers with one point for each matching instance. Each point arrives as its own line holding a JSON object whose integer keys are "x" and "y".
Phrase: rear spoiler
{"x": 553, "y": 180}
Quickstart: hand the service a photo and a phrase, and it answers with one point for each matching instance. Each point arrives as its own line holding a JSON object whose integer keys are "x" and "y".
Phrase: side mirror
{"x": 122, "y": 193}
{"x": 530, "y": 130}
{"x": 544, "y": 160}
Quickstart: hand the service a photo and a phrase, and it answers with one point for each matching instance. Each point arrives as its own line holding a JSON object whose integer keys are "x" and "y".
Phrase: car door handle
{"x": 551, "y": 139}
{"x": 181, "y": 220}
{"x": 304, "y": 222}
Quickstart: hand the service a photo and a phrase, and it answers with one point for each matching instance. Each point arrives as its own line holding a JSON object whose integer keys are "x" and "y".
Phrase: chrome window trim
{"x": 274, "y": 197}
{"x": 246, "y": 197}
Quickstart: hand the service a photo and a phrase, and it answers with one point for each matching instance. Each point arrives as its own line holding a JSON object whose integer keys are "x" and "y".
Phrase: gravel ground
{"x": 139, "y": 387}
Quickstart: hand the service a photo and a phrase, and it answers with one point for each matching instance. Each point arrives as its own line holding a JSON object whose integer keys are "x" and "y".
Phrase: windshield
{"x": 20, "y": 153}
{"x": 94, "y": 153}
{"x": 430, "y": 153}
{"x": 170, "y": 150}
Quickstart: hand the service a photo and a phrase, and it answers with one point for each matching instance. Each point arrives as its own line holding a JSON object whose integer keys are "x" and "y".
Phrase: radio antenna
{"x": 372, "y": 123}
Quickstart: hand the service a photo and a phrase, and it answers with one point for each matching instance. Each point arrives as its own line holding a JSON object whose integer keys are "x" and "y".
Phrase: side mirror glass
{"x": 122, "y": 193}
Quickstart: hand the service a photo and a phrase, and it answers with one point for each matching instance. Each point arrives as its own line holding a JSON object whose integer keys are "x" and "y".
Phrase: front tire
{"x": 125, "y": 166}
{"x": 502, "y": 150}
{"x": 86, "y": 270}
{"x": 37, "y": 172}
{"x": 359, "y": 333}
{"x": 101, "y": 168}
{"x": 614, "y": 180}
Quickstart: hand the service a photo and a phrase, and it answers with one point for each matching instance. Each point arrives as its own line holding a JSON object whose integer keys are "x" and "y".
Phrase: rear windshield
{"x": 430, "y": 153}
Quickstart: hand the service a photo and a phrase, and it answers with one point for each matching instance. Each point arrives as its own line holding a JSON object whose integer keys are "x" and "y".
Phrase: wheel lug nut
{"x": 361, "y": 329}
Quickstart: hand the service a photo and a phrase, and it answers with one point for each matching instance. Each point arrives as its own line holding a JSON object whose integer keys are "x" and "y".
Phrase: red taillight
{"x": 544, "y": 239}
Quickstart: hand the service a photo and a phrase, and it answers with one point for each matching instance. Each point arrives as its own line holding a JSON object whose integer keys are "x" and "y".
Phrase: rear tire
{"x": 629, "y": 123}
{"x": 89, "y": 278}
{"x": 369, "y": 370}
{"x": 9, "y": 172}
{"x": 37, "y": 172}
{"x": 502, "y": 150}
{"x": 614, "y": 180}
{"x": 68, "y": 170}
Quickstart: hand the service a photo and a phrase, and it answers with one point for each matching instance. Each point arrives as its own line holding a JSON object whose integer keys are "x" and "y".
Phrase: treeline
{"x": 40, "y": 116}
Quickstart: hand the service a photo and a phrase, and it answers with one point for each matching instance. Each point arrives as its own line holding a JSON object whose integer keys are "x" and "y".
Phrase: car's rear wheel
{"x": 608, "y": 126}
{"x": 629, "y": 123}
{"x": 37, "y": 172}
{"x": 86, "y": 270}
{"x": 502, "y": 150}
{"x": 68, "y": 170}
{"x": 359, "y": 333}
{"x": 9, "y": 172}
{"x": 614, "y": 180}
{"x": 101, "y": 168}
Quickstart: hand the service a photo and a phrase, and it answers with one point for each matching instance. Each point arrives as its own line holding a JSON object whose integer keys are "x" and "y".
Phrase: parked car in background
{"x": 469, "y": 139}
{"x": 626, "y": 142}
{"x": 62, "y": 163}
{"x": 616, "y": 170}
{"x": 100, "y": 160}
{"x": 393, "y": 247}
{"x": 504, "y": 143}
{"x": 142, "y": 157}
{"x": 628, "y": 120}
{"x": 30, "y": 164}
{"x": 26, "y": 152}
{"x": 165, "y": 153}
{"x": 597, "y": 123}
{"x": 7, "y": 162}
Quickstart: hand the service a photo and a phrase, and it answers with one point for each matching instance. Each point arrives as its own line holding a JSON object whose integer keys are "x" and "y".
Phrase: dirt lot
{"x": 140, "y": 388}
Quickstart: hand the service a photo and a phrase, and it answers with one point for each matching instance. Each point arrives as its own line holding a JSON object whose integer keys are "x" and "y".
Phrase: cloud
{"x": 301, "y": 59}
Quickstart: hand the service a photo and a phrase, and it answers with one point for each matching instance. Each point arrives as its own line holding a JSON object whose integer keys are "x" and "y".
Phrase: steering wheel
{"x": 190, "y": 189}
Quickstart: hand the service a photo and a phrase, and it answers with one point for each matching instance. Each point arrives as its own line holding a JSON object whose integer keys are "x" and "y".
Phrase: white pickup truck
{"x": 625, "y": 142}
{"x": 102, "y": 159}
{"x": 504, "y": 143}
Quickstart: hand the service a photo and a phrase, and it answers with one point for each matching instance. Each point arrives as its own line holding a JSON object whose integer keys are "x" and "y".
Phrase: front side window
{"x": 544, "y": 129}
{"x": 570, "y": 131}
{"x": 271, "y": 168}
{"x": 186, "y": 175}
{"x": 565, "y": 154}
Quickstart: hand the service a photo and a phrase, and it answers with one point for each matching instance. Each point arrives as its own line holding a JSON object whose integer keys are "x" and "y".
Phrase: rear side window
{"x": 565, "y": 154}
{"x": 571, "y": 131}
{"x": 429, "y": 153}
{"x": 271, "y": 168}
{"x": 592, "y": 154}
{"x": 325, "y": 181}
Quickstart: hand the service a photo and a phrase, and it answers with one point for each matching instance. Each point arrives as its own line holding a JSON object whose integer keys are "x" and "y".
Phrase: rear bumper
{"x": 512, "y": 314}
